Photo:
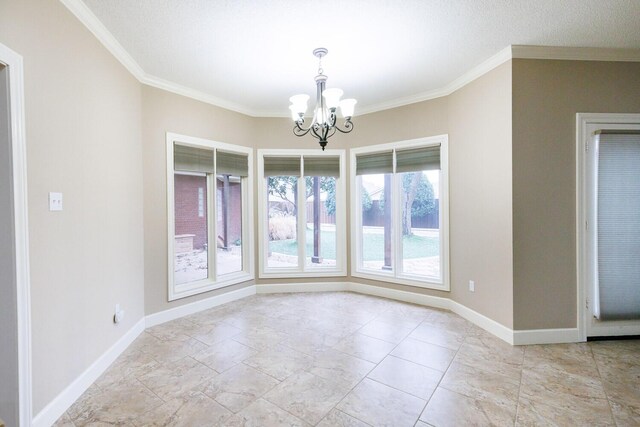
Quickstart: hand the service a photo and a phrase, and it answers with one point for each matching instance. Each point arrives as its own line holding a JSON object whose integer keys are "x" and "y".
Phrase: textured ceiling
{"x": 255, "y": 54}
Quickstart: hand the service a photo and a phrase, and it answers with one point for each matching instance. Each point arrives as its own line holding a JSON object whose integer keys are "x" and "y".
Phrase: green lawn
{"x": 413, "y": 246}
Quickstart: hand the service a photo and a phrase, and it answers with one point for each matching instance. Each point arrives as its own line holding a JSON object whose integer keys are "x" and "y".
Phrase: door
{"x": 612, "y": 229}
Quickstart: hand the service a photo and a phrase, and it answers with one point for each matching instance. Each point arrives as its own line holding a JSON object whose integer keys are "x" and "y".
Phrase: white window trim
{"x": 340, "y": 270}
{"x": 217, "y": 282}
{"x": 356, "y": 220}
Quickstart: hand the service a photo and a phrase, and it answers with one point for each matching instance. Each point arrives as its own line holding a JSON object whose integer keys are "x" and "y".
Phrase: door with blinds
{"x": 613, "y": 230}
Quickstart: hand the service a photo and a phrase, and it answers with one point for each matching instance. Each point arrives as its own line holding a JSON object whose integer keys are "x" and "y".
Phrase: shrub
{"x": 282, "y": 227}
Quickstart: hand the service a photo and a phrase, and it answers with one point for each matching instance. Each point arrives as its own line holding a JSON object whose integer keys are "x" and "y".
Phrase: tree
{"x": 417, "y": 198}
{"x": 284, "y": 187}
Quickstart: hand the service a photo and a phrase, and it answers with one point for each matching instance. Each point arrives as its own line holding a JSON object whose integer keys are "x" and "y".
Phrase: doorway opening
{"x": 608, "y": 225}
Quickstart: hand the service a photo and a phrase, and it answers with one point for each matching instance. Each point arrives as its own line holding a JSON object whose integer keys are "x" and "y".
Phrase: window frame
{"x": 397, "y": 276}
{"x": 213, "y": 281}
{"x": 301, "y": 270}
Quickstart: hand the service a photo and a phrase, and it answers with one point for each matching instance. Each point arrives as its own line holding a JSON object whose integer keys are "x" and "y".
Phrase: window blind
{"x": 191, "y": 159}
{"x": 322, "y": 166}
{"x": 618, "y": 218}
{"x": 418, "y": 159}
{"x": 281, "y": 166}
{"x": 232, "y": 164}
{"x": 374, "y": 163}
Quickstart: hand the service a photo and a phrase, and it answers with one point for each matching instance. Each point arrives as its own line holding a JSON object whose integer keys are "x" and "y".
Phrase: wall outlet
{"x": 119, "y": 314}
{"x": 472, "y": 286}
{"x": 55, "y": 201}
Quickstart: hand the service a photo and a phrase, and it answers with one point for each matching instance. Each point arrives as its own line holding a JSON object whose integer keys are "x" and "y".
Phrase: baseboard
{"x": 195, "y": 307}
{"x": 546, "y": 336}
{"x": 69, "y": 395}
{"x": 411, "y": 297}
{"x": 302, "y": 287}
{"x": 489, "y": 325}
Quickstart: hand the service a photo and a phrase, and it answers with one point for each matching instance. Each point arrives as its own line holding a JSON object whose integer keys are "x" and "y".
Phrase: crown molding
{"x": 478, "y": 71}
{"x": 575, "y": 53}
{"x": 97, "y": 28}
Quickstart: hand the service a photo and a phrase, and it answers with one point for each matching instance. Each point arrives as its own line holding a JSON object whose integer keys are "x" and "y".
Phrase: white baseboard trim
{"x": 489, "y": 325}
{"x": 69, "y": 395}
{"x": 195, "y": 307}
{"x": 303, "y": 287}
{"x": 411, "y": 297}
{"x": 546, "y": 336}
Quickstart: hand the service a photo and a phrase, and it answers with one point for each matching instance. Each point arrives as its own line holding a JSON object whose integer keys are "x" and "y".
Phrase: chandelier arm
{"x": 314, "y": 131}
{"x": 348, "y": 127}
{"x": 299, "y": 130}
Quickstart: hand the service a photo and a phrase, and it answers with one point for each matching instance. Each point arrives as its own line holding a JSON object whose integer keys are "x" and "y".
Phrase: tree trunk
{"x": 409, "y": 197}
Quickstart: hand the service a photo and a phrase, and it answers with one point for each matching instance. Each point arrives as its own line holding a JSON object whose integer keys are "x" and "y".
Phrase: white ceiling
{"x": 251, "y": 55}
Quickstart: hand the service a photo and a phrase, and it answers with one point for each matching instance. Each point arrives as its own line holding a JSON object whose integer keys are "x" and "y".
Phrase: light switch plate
{"x": 55, "y": 201}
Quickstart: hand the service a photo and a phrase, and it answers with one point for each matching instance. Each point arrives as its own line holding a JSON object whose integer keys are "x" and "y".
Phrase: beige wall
{"x": 546, "y": 97}
{"x": 480, "y": 219}
{"x": 164, "y": 112}
{"x": 83, "y": 139}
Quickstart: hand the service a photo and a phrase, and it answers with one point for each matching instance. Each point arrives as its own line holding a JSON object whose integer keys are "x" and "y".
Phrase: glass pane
{"x": 191, "y": 234}
{"x": 229, "y": 224}
{"x": 321, "y": 221}
{"x": 282, "y": 221}
{"x": 420, "y": 223}
{"x": 375, "y": 191}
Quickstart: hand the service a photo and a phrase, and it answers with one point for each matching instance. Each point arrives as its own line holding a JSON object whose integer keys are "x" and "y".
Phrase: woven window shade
{"x": 232, "y": 164}
{"x": 418, "y": 159}
{"x": 191, "y": 159}
{"x": 374, "y": 163}
{"x": 322, "y": 166}
{"x": 281, "y": 166}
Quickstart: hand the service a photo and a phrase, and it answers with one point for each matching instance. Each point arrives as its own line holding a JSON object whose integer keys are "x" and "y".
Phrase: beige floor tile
{"x": 407, "y": 376}
{"x": 364, "y": 347}
{"x": 172, "y": 380}
{"x": 545, "y": 382}
{"x": 491, "y": 354}
{"x": 571, "y": 358}
{"x": 623, "y": 350}
{"x": 173, "y": 330}
{"x": 451, "y": 339}
{"x": 308, "y": 396}
{"x": 64, "y": 421}
{"x": 625, "y": 413}
{"x": 482, "y": 385}
{"x": 214, "y": 333}
{"x": 385, "y": 331}
{"x": 195, "y": 409}
{"x": 380, "y": 405}
{"x": 447, "y": 408}
{"x": 119, "y": 404}
{"x": 429, "y": 355}
{"x": 536, "y": 413}
{"x": 309, "y": 342}
{"x": 260, "y": 339}
{"x": 224, "y": 355}
{"x": 262, "y": 413}
{"x": 332, "y": 364}
{"x": 167, "y": 350}
{"x": 337, "y": 418}
{"x": 238, "y": 387}
{"x": 129, "y": 364}
{"x": 279, "y": 362}
{"x": 400, "y": 319}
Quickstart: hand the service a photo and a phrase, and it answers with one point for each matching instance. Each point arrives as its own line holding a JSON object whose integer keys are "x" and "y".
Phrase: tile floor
{"x": 344, "y": 359}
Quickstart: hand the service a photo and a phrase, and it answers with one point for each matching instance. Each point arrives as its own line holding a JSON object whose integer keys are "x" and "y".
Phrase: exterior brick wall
{"x": 188, "y": 220}
{"x": 235, "y": 208}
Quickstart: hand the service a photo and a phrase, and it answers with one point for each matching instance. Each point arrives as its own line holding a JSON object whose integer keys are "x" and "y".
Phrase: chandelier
{"x": 323, "y": 125}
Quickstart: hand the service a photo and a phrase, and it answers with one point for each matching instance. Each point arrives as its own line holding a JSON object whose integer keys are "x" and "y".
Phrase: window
{"x": 302, "y": 211}
{"x": 400, "y": 212}
{"x": 209, "y": 215}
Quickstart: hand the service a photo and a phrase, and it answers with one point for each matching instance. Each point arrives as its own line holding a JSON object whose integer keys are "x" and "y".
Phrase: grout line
{"x": 602, "y": 383}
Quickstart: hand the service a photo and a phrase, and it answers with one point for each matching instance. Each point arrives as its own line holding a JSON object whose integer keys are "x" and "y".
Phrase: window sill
{"x": 284, "y": 273}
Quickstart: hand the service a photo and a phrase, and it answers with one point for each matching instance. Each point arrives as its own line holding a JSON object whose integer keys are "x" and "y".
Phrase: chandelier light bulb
{"x": 347, "y": 106}
{"x": 295, "y": 115}
{"x": 299, "y": 104}
{"x": 332, "y": 97}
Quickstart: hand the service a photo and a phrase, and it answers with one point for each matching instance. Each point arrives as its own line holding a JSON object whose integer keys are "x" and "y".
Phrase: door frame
{"x": 15, "y": 68}
{"x": 583, "y": 121}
